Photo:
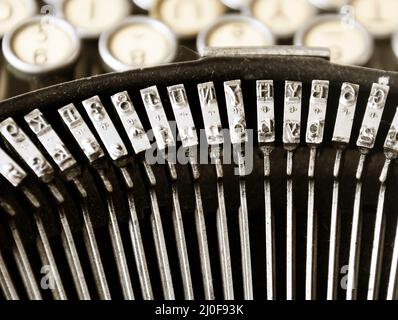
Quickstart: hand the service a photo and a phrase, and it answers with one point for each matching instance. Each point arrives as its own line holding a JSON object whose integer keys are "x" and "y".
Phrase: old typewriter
{"x": 198, "y": 150}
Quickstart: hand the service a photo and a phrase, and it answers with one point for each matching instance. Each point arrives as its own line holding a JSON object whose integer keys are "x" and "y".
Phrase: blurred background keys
{"x": 235, "y": 31}
{"x": 283, "y": 17}
{"x": 127, "y": 34}
{"x": 137, "y": 42}
{"x": 187, "y": 17}
{"x": 348, "y": 41}
{"x": 39, "y": 52}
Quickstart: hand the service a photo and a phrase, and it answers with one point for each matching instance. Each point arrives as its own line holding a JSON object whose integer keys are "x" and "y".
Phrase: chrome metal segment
{"x": 48, "y": 259}
{"x": 118, "y": 251}
{"x": 292, "y": 113}
{"x": 341, "y": 136}
{"x": 215, "y": 139}
{"x": 265, "y": 111}
{"x": 266, "y": 138}
{"x": 314, "y": 137}
{"x": 50, "y": 140}
{"x": 391, "y": 153}
{"x": 345, "y": 113}
{"x": 188, "y": 134}
{"x": 131, "y": 122}
{"x": 23, "y": 264}
{"x": 6, "y": 282}
{"x": 236, "y": 111}
{"x": 65, "y": 161}
{"x": 139, "y": 252}
{"x": 72, "y": 257}
{"x": 373, "y": 114}
{"x": 365, "y": 142}
{"x": 291, "y": 139}
{"x": 94, "y": 255}
{"x": 157, "y": 117}
{"x": 392, "y": 289}
{"x": 164, "y": 138}
{"x": 93, "y": 151}
{"x": 317, "y": 112}
{"x": 161, "y": 250}
{"x": 210, "y": 113}
{"x": 238, "y": 134}
{"x": 11, "y": 170}
{"x": 81, "y": 132}
{"x": 105, "y": 128}
{"x": 117, "y": 150}
{"x": 183, "y": 115}
{"x": 26, "y": 149}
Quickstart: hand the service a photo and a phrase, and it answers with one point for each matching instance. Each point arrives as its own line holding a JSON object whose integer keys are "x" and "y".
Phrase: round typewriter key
{"x": 14, "y": 11}
{"x": 41, "y": 45}
{"x": 348, "y": 41}
{"x": 137, "y": 42}
{"x": 144, "y": 4}
{"x": 329, "y": 4}
{"x": 283, "y": 17}
{"x": 235, "y": 31}
{"x": 187, "y": 17}
{"x": 379, "y": 17}
{"x": 92, "y": 17}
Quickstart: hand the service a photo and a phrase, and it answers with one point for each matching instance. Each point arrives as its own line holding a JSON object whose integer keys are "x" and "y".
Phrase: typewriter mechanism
{"x": 217, "y": 150}
{"x": 93, "y": 205}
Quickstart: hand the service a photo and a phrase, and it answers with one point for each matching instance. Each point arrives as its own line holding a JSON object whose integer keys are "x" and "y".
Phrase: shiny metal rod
{"x": 48, "y": 259}
{"x": 181, "y": 244}
{"x": 94, "y": 256}
{"x": 334, "y": 237}
{"x": 139, "y": 252}
{"x": 377, "y": 247}
{"x": 311, "y": 245}
{"x": 118, "y": 251}
{"x": 392, "y": 289}
{"x": 245, "y": 243}
{"x": 355, "y": 245}
{"x": 161, "y": 249}
{"x": 223, "y": 242}
{"x": 290, "y": 233}
{"x": 6, "y": 283}
{"x": 203, "y": 245}
{"x": 24, "y": 266}
{"x": 72, "y": 256}
{"x": 269, "y": 227}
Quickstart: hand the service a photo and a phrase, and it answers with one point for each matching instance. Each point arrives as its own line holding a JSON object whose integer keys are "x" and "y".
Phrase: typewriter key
{"x": 91, "y": 17}
{"x": 137, "y": 42}
{"x": 14, "y": 11}
{"x": 378, "y": 17}
{"x": 235, "y": 31}
{"x": 348, "y": 40}
{"x": 283, "y": 17}
{"x": 144, "y": 4}
{"x": 187, "y": 17}
{"x": 329, "y": 5}
{"x": 41, "y": 45}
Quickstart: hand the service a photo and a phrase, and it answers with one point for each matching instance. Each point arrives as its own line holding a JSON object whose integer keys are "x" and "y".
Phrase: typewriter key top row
{"x": 138, "y": 41}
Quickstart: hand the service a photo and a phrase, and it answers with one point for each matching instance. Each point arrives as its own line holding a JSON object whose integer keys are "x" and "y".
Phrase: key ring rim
{"x": 29, "y": 68}
{"x": 115, "y": 64}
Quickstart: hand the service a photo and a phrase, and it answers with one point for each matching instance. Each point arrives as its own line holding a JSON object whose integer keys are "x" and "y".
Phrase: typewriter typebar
{"x": 247, "y": 174}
